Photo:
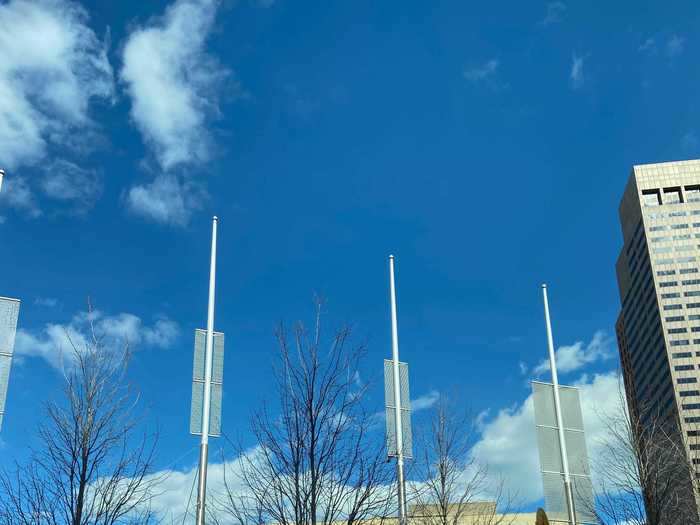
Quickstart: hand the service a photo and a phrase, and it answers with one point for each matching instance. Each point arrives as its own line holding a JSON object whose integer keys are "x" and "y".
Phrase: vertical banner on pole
{"x": 550, "y": 453}
{"x": 406, "y": 436}
{"x": 9, "y": 312}
{"x": 217, "y": 380}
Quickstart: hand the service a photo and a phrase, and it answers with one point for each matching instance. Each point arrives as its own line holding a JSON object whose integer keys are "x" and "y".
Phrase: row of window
{"x": 686, "y": 282}
{"x": 683, "y": 330}
{"x": 683, "y": 237}
{"x": 682, "y": 271}
{"x": 669, "y": 249}
{"x": 672, "y": 195}
{"x": 676, "y": 318}
{"x": 678, "y": 260}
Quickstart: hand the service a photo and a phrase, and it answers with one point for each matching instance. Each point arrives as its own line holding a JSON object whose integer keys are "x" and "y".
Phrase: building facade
{"x": 658, "y": 274}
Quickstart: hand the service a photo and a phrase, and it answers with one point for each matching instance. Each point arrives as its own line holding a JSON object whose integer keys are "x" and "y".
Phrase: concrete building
{"x": 658, "y": 274}
{"x": 472, "y": 513}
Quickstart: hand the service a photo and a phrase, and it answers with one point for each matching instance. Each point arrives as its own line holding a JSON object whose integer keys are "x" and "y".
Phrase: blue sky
{"x": 486, "y": 146}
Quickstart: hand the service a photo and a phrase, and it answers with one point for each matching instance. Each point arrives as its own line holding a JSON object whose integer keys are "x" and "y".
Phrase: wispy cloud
{"x": 173, "y": 82}
{"x": 17, "y": 194}
{"x": 482, "y": 72}
{"x": 574, "y": 357}
{"x": 174, "y": 85}
{"x": 576, "y": 74}
{"x": 555, "y": 13}
{"x": 425, "y": 401}
{"x": 671, "y": 46}
{"x": 48, "y": 302}
{"x": 648, "y": 46}
{"x": 77, "y": 187}
{"x": 675, "y": 46}
{"x": 55, "y": 343}
{"x": 47, "y": 83}
{"x": 167, "y": 200}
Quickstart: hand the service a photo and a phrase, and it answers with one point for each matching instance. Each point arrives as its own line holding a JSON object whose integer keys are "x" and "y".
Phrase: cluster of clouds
{"x": 57, "y": 344}
{"x": 49, "y": 86}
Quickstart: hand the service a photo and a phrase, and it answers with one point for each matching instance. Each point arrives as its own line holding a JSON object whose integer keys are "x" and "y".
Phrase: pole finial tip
{"x": 544, "y": 285}
{"x": 391, "y": 256}
{"x": 216, "y": 218}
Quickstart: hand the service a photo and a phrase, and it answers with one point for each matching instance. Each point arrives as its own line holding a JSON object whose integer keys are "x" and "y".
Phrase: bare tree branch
{"x": 92, "y": 467}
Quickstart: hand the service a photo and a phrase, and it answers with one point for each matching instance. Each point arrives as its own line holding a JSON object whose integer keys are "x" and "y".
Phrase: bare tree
{"x": 453, "y": 487}
{"x": 644, "y": 474}
{"x": 316, "y": 460}
{"x": 92, "y": 466}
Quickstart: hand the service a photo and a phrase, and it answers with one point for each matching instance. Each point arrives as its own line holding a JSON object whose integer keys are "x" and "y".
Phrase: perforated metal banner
{"x": 9, "y": 312}
{"x": 550, "y": 453}
{"x": 217, "y": 379}
{"x": 405, "y": 399}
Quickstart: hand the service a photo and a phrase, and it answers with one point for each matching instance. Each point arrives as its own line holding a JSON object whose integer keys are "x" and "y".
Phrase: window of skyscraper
{"x": 689, "y": 393}
{"x": 683, "y": 368}
{"x": 692, "y": 193}
{"x": 672, "y": 195}
{"x": 651, "y": 197}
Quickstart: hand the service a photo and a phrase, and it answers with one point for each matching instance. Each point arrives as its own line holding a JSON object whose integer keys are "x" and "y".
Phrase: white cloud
{"x": 690, "y": 141}
{"x": 55, "y": 342}
{"x": 52, "y": 66}
{"x": 166, "y": 200}
{"x": 576, "y": 74}
{"x": 17, "y": 194}
{"x": 425, "y": 401}
{"x": 573, "y": 357}
{"x": 508, "y": 441}
{"x": 675, "y": 45}
{"x": 482, "y": 72}
{"x": 173, "y": 82}
{"x": 555, "y": 13}
{"x": 649, "y": 46}
{"x": 48, "y": 302}
{"x": 64, "y": 181}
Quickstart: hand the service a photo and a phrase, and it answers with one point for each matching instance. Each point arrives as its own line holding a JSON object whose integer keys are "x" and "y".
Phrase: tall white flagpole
{"x": 557, "y": 408}
{"x": 397, "y": 397}
{"x": 208, "y": 358}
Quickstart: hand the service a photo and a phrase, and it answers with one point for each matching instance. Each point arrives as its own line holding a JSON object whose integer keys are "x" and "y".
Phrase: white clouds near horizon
{"x": 508, "y": 442}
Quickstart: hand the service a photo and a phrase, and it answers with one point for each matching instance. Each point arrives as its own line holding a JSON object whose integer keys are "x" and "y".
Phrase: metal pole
{"x": 557, "y": 408}
{"x": 397, "y": 397}
{"x": 2, "y": 174}
{"x": 208, "y": 357}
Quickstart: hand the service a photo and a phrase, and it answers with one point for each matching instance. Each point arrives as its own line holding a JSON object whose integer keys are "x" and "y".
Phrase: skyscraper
{"x": 658, "y": 274}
